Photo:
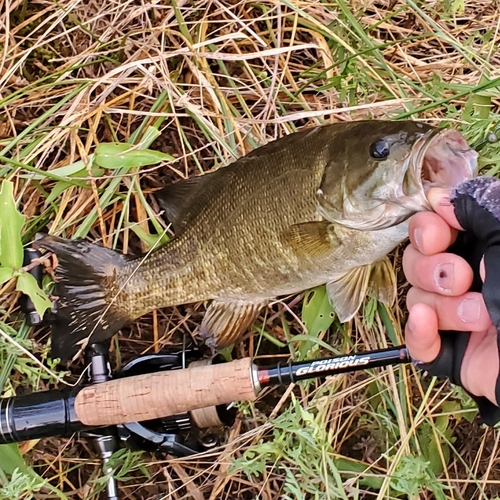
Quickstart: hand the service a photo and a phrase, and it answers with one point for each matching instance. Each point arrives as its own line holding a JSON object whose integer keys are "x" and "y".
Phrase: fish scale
{"x": 221, "y": 240}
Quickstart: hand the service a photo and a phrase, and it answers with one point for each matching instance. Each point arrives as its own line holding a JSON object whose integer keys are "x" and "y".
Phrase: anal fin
{"x": 226, "y": 320}
{"x": 347, "y": 292}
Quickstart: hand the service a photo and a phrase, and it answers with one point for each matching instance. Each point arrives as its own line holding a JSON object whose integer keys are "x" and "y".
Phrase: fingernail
{"x": 410, "y": 324}
{"x": 439, "y": 197}
{"x": 443, "y": 276}
{"x": 417, "y": 237}
{"x": 469, "y": 310}
{"x": 445, "y": 201}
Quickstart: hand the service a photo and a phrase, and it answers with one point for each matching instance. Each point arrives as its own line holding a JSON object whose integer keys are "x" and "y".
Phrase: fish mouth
{"x": 441, "y": 158}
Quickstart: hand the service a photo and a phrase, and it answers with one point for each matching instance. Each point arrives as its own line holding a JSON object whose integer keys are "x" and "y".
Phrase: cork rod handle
{"x": 162, "y": 394}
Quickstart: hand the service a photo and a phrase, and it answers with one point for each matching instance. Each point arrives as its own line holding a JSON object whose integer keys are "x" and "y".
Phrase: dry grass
{"x": 217, "y": 78}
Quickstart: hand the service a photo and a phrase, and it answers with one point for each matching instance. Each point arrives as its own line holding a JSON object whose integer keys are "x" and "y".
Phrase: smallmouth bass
{"x": 321, "y": 206}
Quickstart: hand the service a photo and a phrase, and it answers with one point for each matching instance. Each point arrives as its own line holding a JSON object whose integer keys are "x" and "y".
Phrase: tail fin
{"x": 86, "y": 290}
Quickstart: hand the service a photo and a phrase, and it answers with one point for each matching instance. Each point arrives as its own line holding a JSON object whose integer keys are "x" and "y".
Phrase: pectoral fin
{"x": 225, "y": 321}
{"x": 312, "y": 239}
{"x": 347, "y": 292}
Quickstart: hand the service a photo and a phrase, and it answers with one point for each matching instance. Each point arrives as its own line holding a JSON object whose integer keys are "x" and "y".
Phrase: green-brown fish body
{"x": 322, "y": 206}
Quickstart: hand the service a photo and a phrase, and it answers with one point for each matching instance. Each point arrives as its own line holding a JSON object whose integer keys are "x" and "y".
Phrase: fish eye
{"x": 380, "y": 149}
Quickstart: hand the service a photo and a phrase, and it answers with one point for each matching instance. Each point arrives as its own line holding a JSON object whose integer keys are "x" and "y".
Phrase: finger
{"x": 439, "y": 199}
{"x": 444, "y": 273}
{"x": 479, "y": 370}
{"x": 430, "y": 234}
{"x": 466, "y": 313}
{"x": 421, "y": 334}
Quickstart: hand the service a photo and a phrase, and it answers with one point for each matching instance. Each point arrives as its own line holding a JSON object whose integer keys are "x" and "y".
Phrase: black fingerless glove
{"x": 477, "y": 208}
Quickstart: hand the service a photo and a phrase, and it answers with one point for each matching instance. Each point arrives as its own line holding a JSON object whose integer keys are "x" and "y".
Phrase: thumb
{"x": 422, "y": 336}
{"x": 439, "y": 199}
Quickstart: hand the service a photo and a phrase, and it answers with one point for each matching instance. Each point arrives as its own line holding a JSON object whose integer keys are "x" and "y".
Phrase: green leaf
{"x": 151, "y": 240}
{"x": 27, "y": 284}
{"x": 313, "y": 341}
{"x": 385, "y": 316}
{"x": 11, "y": 459}
{"x": 59, "y": 188}
{"x": 75, "y": 169}
{"x": 11, "y": 223}
{"x": 359, "y": 469}
{"x": 79, "y": 169}
{"x": 5, "y": 274}
{"x": 22, "y": 477}
{"x": 317, "y": 315}
{"x": 117, "y": 155}
{"x": 149, "y": 137}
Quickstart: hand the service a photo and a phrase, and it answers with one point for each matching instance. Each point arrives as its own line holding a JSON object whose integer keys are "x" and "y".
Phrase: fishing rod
{"x": 168, "y": 392}
{"x": 167, "y": 407}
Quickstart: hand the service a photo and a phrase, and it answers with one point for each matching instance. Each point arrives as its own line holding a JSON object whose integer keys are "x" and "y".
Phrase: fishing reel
{"x": 51, "y": 413}
{"x": 182, "y": 434}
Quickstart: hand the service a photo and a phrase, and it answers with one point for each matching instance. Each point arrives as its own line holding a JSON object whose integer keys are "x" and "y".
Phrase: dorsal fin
{"x": 183, "y": 200}
{"x": 175, "y": 199}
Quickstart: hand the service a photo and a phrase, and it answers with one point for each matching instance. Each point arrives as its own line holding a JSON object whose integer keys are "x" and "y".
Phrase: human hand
{"x": 440, "y": 300}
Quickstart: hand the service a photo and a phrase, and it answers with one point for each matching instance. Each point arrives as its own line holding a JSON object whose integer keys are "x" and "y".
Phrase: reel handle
{"x": 157, "y": 395}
